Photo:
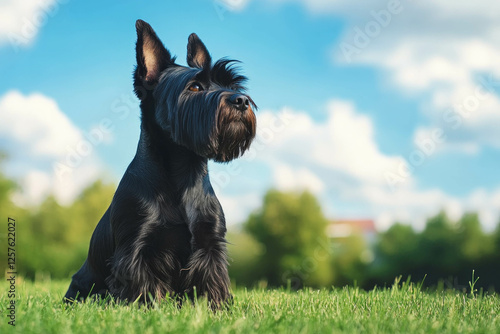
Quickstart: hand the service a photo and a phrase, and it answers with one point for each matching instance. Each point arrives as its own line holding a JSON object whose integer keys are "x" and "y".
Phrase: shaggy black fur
{"x": 163, "y": 233}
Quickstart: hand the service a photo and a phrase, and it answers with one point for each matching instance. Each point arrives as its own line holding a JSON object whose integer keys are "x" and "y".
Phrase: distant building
{"x": 344, "y": 228}
{"x": 339, "y": 230}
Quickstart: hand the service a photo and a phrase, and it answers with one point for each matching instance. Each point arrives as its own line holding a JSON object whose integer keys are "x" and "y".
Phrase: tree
{"x": 7, "y": 186}
{"x": 7, "y": 209}
{"x": 244, "y": 252}
{"x": 292, "y": 230}
{"x": 350, "y": 257}
{"x": 474, "y": 243}
{"x": 396, "y": 253}
{"x": 439, "y": 252}
{"x": 477, "y": 250}
{"x": 88, "y": 209}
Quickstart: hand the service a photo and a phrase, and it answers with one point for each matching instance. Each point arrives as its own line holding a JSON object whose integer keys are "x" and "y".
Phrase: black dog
{"x": 163, "y": 234}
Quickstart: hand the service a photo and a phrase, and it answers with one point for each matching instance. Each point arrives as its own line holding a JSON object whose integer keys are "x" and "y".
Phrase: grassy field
{"x": 402, "y": 309}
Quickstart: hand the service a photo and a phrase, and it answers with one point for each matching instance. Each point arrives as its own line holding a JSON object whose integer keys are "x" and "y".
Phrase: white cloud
{"x": 36, "y": 122}
{"x": 20, "y": 21}
{"x": 49, "y": 154}
{"x": 237, "y": 207}
{"x": 344, "y": 143}
{"x": 289, "y": 178}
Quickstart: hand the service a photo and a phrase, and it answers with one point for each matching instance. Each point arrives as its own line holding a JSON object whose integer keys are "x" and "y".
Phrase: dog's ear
{"x": 152, "y": 56}
{"x": 197, "y": 53}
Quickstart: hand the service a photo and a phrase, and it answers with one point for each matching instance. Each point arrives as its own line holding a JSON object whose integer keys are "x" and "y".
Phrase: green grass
{"x": 400, "y": 309}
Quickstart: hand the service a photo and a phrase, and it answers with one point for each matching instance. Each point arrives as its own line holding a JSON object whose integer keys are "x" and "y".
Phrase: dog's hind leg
{"x": 89, "y": 280}
{"x": 84, "y": 284}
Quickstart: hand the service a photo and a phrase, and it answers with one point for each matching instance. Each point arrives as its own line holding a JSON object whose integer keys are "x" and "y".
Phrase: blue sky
{"x": 387, "y": 110}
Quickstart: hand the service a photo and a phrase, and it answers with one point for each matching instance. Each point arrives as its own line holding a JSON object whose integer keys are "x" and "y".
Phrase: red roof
{"x": 345, "y": 227}
{"x": 362, "y": 225}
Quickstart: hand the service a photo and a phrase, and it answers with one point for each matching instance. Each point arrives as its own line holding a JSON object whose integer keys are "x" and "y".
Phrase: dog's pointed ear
{"x": 197, "y": 53}
{"x": 152, "y": 56}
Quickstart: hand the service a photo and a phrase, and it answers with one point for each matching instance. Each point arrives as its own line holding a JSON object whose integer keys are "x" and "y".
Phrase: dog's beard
{"x": 222, "y": 134}
{"x": 235, "y": 131}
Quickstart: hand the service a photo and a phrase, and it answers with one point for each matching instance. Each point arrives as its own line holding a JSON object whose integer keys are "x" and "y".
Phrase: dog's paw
{"x": 206, "y": 276}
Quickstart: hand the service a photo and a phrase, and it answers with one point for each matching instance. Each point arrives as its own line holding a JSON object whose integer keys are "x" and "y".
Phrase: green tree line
{"x": 52, "y": 239}
{"x": 282, "y": 243}
{"x": 285, "y": 242}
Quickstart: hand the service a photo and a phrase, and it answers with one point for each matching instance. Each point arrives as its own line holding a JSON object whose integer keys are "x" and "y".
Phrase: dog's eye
{"x": 195, "y": 87}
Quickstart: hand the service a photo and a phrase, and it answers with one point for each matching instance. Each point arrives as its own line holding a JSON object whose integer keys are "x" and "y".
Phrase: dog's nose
{"x": 239, "y": 101}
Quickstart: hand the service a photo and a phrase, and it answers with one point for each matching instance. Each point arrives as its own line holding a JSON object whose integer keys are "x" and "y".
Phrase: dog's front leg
{"x": 206, "y": 272}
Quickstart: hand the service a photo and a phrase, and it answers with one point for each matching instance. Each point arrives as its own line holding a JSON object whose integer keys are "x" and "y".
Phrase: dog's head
{"x": 202, "y": 107}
